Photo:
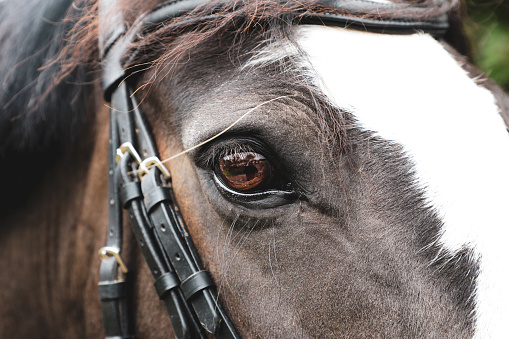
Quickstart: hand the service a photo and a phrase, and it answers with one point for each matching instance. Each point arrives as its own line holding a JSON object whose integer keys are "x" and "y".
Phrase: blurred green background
{"x": 487, "y": 25}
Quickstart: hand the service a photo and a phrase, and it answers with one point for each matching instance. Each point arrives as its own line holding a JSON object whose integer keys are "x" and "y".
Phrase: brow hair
{"x": 171, "y": 40}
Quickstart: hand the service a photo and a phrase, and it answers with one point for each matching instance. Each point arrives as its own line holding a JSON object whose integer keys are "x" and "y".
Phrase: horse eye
{"x": 245, "y": 172}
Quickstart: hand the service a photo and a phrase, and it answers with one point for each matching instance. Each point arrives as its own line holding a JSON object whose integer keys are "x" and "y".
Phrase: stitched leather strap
{"x": 183, "y": 323}
{"x": 170, "y": 231}
{"x": 111, "y": 280}
{"x": 113, "y": 302}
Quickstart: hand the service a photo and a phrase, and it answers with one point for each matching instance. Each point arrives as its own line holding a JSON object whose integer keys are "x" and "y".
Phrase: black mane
{"x": 38, "y": 119}
{"x": 35, "y": 115}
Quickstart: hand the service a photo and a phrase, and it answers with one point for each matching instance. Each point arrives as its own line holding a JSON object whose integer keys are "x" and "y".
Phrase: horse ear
{"x": 456, "y": 35}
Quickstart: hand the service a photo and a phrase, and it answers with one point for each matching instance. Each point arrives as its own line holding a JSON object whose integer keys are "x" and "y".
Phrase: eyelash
{"x": 211, "y": 157}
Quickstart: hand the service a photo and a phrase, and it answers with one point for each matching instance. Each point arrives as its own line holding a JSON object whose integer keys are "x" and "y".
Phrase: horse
{"x": 337, "y": 182}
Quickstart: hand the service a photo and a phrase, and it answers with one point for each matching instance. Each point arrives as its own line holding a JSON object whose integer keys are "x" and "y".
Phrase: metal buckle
{"x": 146, "y": 164}
{"x": 110, "y": 251}
{"x": 153, "y": 162}
{"x": 127, "y": 147}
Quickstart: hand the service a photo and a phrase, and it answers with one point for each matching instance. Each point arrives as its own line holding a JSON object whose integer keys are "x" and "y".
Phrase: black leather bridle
{"x": 181, "y": 281}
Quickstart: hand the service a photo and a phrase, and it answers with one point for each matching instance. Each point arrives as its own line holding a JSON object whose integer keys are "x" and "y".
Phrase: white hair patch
{"x": 408, "y": 89}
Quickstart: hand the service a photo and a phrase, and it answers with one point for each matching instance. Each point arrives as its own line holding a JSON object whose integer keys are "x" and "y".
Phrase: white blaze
{"x": 408, "y": 89}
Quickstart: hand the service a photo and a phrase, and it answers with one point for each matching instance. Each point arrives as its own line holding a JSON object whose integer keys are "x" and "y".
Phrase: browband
{"x": 181, "y": 281}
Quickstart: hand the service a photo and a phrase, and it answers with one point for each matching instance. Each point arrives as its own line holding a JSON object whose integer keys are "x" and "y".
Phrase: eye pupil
{"x": 245, "y": 172}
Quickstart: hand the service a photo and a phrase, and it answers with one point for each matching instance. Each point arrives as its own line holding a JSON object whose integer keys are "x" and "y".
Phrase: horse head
{"x": 337, "y": 180}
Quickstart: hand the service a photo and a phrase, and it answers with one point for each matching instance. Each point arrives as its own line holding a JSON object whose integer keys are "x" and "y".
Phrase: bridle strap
{"x": 181, "y": 282}
{"x": 167, "y": 283}
{"x": 150, "y": 206}
{"x": 180, "y": 279}
{"x": 112, "y": 280}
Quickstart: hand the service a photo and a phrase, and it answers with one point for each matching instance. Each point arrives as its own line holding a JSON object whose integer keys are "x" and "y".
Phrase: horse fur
{"x": 324, "y": 266}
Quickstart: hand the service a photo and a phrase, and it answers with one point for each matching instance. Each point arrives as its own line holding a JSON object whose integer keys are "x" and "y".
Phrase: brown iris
{"x": 245, "y": 172}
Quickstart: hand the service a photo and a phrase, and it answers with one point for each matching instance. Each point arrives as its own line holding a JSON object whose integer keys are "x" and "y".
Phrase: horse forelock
{"x": 172, "y": 42}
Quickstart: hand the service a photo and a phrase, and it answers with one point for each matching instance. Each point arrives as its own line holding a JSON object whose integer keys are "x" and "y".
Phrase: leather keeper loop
{"x": 155, "y": 196}
{"x": 165, "y": 283}
{"x": 112, "y": 291}
{"x": 195, "y": 283}
{"x": 130, "y": 191}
